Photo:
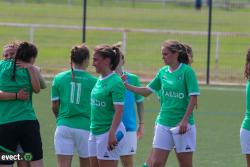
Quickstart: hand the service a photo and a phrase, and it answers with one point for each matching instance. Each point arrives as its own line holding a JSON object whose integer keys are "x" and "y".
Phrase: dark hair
{"x": 111, "y": 52}
{"x": 177, "y": 47}
{"x": 79, "y": 54}
{"x": 247, "y": 65}
{"x": 25, "y": 52}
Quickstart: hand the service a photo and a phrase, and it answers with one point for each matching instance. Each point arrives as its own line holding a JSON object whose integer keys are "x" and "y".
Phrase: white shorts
{"x": 130, "y": 144}
{"x": 67, "y": 139}
{"x": 98, "y": 146}
{"x": 245, "y": 141}
{"x": 166, "y": 139}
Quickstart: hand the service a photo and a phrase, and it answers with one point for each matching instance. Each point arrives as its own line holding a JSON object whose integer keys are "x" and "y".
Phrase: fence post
{"x": 31, "y": 33}
{"x": 124, "y": 41}
{"x": 69, "y": 3}
{"x": 164, "y": 3}
{"x": 217, "y": 55}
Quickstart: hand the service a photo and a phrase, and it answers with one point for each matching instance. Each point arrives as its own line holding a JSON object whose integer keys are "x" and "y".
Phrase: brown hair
{"x": 79, "y": 54}
{"x": 111, "y": 52}
{"x": 25, "y": 52}
{"x": 247, "y": 65}
{"x": 177, "y": 47}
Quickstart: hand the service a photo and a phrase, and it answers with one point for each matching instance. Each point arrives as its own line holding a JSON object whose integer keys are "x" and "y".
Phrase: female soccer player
{"x": 189, "y": 52}
{"x": 129, "y": 116}
{"x": 245, "y": 127}
{"x": 70, "y": 97}
{"x": 107, "y": 100}
{"x": 9, "y": 52}
{"x": 19, "y": 125}
{"x": 175, "y": 123}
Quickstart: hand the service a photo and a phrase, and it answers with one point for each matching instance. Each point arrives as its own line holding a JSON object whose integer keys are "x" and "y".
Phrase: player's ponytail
{"x": 79, "y": 54}
{"x": 183, "y": 55}
{"x": 247, "y": 65}
{"x": 116, "y": 59}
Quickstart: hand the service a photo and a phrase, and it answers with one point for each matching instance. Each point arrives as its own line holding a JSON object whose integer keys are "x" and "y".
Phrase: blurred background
{"x": 142, "y": 25}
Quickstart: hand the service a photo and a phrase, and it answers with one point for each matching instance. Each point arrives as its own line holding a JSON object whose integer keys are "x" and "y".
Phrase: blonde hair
{"x": 12, "y": 46}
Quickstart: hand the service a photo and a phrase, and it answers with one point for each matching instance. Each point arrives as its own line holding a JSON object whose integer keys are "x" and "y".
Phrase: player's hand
{"x": 124, "y": 78}
{"x": 140, "y": 131}
{"x": 22, "y": 95}
{"x": 112, "y": 142}
{"x": 23, "y": 64}
{"x": 183, "y": 126}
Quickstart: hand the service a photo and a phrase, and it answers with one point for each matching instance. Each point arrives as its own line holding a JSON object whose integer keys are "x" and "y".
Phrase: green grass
{"x": 218, "y": 119}
{"x": 143, "y": 49}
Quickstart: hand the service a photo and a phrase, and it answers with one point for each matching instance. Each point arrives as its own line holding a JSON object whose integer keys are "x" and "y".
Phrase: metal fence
{"x": 218, "y": 73}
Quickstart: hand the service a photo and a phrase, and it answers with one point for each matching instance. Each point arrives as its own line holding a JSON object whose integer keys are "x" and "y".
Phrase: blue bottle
{"x": 119, "y": 135}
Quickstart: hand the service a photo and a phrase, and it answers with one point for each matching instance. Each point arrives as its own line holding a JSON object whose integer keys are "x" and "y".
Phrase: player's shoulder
{"x": 62, "y": 74}
{"x": 131, "y": 75}
{"x": 187, "y": 68}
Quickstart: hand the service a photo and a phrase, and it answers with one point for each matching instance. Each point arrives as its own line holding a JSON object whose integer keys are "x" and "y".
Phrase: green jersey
{"x": 175, "y": 88}
{"x": 108, "y": 91}
{"x": 246, "y": 121}
{"x": 15, "y": 110}
{"x": 74, "y": 97}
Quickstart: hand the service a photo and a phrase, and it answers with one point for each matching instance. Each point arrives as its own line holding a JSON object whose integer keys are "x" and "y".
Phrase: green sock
{"x": 145, "y": 165}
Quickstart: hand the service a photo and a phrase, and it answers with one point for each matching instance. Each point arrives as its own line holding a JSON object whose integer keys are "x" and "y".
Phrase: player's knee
{"x": 127, "y": 164}
{"x": 185, "y": 164}
{"x": 157, "y": 163}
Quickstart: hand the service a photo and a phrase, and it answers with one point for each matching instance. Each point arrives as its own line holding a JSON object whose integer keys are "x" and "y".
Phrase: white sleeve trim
{"x": 194, "y": 94}
{"x": 140, "y": 100}
{"x": 118, "y": 103}
{"x": 55, "y": 98}
{"x": 152, "y": 90}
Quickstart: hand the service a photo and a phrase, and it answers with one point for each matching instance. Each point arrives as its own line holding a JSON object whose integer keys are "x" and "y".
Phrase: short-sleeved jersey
{"x": 175, "y": 88}
{"x": 246, "y": 120}
{"x": 108, "y": 91}
{"x": 15, "y": 110}
{"x": 129, "y": 114}
{"x": 74, "y": 97}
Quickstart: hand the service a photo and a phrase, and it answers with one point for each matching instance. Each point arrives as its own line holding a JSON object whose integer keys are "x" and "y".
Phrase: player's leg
{"x": 30, "y": 141}
{"x": 9, "y": 142}
{"x": 162, "y": 145}
{"x": 185, "y": 146}
{"x": 128, "y": 150}
{"x": 64, "y": 145}
{"x": 92, "y": 149}
{"x": 21, "y": 163}
{"x": 81, "y": 142}
{"x": 245, "y": 144}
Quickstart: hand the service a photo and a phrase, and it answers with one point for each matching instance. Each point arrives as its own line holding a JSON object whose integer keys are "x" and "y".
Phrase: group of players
{"x": 96, "y": 116}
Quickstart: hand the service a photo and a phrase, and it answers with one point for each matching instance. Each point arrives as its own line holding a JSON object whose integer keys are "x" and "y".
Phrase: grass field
{"x": 143, "y": 50}
{"x": 218, "y": 119}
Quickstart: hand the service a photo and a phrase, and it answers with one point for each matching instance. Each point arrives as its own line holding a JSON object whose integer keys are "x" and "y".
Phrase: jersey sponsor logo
{"x": 98, "y": 103}
{"x": 174, "y": 94}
